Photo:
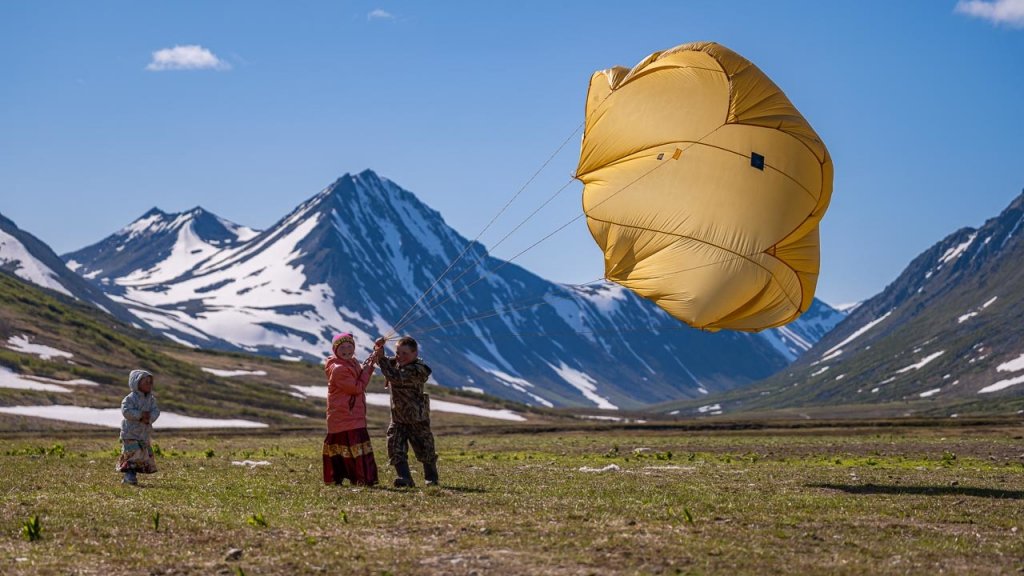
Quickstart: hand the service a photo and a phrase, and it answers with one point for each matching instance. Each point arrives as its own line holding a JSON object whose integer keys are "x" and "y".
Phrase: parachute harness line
{"x": 398, "y": 325}
{"x": 512, "y": 307}
{"x": 431, "y": 306}
{"x": 480, "y": 259}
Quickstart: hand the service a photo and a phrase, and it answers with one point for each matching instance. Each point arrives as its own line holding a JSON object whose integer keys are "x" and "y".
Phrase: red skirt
{"x": 349, "y": 455}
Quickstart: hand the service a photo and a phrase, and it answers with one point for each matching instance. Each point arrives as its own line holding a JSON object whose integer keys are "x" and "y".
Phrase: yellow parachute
{"x": 704, "y": 187}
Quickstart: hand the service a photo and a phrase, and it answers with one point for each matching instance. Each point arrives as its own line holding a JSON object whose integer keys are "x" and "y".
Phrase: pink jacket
{"x": 346, "y": 393}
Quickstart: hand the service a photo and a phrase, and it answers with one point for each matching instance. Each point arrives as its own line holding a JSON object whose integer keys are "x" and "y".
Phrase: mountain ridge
{"x": 942, "y": 338}
{"x": 362, "y": 250}
{"x": 29, "y": 258}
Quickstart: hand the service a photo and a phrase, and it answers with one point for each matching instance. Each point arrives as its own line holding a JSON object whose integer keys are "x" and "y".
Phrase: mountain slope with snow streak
{"x": 356, "y": 255}
{"x": 25, "y": 257}
{"x": 937, "y": 341}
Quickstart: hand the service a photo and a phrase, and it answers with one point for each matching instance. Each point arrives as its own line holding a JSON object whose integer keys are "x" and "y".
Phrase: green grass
{"x": 918, "y": 501}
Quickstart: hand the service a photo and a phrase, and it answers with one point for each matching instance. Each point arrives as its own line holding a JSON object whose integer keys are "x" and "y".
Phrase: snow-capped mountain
{"x": 26, "y": 257}
{"x": 157, "y": 247}
{"x": 947, "y": 333}
{"x": 358, "y": 254}
{"x": 799, "y": 336}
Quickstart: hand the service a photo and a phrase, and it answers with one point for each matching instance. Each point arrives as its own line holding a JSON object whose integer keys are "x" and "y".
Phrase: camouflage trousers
{"x": 419, "y": 435}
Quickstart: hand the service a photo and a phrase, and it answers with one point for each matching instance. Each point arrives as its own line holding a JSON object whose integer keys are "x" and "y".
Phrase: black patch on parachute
{"x": 757, "y": 161}
{"x": 661, "y": 156}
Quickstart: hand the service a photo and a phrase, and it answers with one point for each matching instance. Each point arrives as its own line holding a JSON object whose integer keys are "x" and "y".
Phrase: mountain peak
{"x": 1017, "y": 204}
{"x": 359, "y": 255}
{"x": 367, "y": 179}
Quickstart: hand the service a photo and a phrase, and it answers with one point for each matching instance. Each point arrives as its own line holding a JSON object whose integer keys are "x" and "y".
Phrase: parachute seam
{"x": 794, "y": 180}
{"x": 821, "y": 164}
{"x": 691, "y": 144}
{"x": 630, "y": 77}
{"x": 746, "y": 257}
{"x": 645, "y": 72}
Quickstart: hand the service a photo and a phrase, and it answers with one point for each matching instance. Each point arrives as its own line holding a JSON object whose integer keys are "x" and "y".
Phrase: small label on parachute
{"x": 757, "y": 161}
{"x": 661, "y": 156}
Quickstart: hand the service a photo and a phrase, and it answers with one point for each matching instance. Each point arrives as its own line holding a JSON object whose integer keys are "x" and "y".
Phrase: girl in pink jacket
{"x": 347, "y": 450}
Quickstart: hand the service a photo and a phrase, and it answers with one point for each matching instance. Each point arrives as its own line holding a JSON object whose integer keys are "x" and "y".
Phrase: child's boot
{"x": 404, "y": 479}
{"x": 430, "y": 474}
{"x": 130, "y": 478}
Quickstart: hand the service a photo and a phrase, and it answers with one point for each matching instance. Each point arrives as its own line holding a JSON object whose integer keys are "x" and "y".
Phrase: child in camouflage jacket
{"x": 406, "y": 376}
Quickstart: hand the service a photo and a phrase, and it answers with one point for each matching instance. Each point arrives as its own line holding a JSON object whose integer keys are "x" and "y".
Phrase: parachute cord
{"x": 513, "y": 307}
{"x": 528, "y": 248}
{"x": 681, "y": 326}
{"x": 486, "y": 253}
{"x": 469, "y": 244}
{"x": 498, "y": 311}
{"x": 427, "y": 310}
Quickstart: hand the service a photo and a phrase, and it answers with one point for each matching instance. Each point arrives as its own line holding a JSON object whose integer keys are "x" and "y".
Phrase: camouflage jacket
{"x": 409, "y": 405}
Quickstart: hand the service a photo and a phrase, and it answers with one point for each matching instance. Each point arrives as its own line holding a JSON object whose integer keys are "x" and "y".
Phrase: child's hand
{"x": 379, "y": 344}
{"x": 145, "y": 418}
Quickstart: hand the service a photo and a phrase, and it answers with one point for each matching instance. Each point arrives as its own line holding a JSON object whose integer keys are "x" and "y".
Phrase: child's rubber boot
{"x": 404, "y": 479}
{"x": 430, "y": 474}
{"x": 130, "y": 478}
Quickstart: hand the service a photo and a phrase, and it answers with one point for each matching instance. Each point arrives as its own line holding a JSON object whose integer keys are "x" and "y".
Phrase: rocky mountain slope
{"x": 358, "y": 254}
{"x": 945, "y": 338}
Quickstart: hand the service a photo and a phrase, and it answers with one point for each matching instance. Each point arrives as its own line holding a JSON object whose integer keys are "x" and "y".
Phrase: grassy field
{"x": 853, "y": 501}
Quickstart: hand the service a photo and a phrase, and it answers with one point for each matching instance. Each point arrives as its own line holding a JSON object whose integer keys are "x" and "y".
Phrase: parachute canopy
{"x": 704, "y": 187}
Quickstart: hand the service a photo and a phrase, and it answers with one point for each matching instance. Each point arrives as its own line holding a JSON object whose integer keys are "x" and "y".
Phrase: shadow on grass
{"x": 924, "y": 490}
{"x": 442, "y": 487}
{"x": 463, "y": 489}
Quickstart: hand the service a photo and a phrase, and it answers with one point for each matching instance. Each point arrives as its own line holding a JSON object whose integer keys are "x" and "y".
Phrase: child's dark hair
{"x": 410, "y": 342}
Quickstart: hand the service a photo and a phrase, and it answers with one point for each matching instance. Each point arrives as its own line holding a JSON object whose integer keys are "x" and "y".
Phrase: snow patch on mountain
{"x": 1002, "y": 385}
{"x": 957, "y": 250}
{"x": 16, "y": 257}
{"x": 584, "y": 383}
{"x": 1015, "y": 365}
{"x": 514, "y": 382}
{"x": 922, "y": 363}
{"x": 22, "y": 343}
{"x": 112, "y": 417}
{"x": 858, "y": 333}
{"x": 384, "y": 401}
{"x": 188, "y": 249}
{"x": 234, "y": 373}
{"x": 11, "y": 379}
{"x": 606, "y": 297}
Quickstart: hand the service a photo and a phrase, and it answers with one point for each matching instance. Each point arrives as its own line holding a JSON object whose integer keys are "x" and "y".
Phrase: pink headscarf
{"x": 339, "y": 338}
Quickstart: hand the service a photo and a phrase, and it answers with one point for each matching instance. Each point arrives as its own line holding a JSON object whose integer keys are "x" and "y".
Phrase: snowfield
{"x": 24, "y": 344}
{"x": 11, "y": 379}
{"x": 384, "y": 400}
{"x": 111, "y": 417}
{"x": 233, "y": 373}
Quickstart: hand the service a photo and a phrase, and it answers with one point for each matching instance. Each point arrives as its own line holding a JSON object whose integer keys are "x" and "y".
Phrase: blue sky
{"x": 919, "y": 102}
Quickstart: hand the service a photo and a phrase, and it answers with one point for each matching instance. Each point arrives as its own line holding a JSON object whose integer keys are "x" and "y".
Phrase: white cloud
{"x": 1010, "y": 12}
{"x": 379, "y": 14}
{"x": 189, "y": 57}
